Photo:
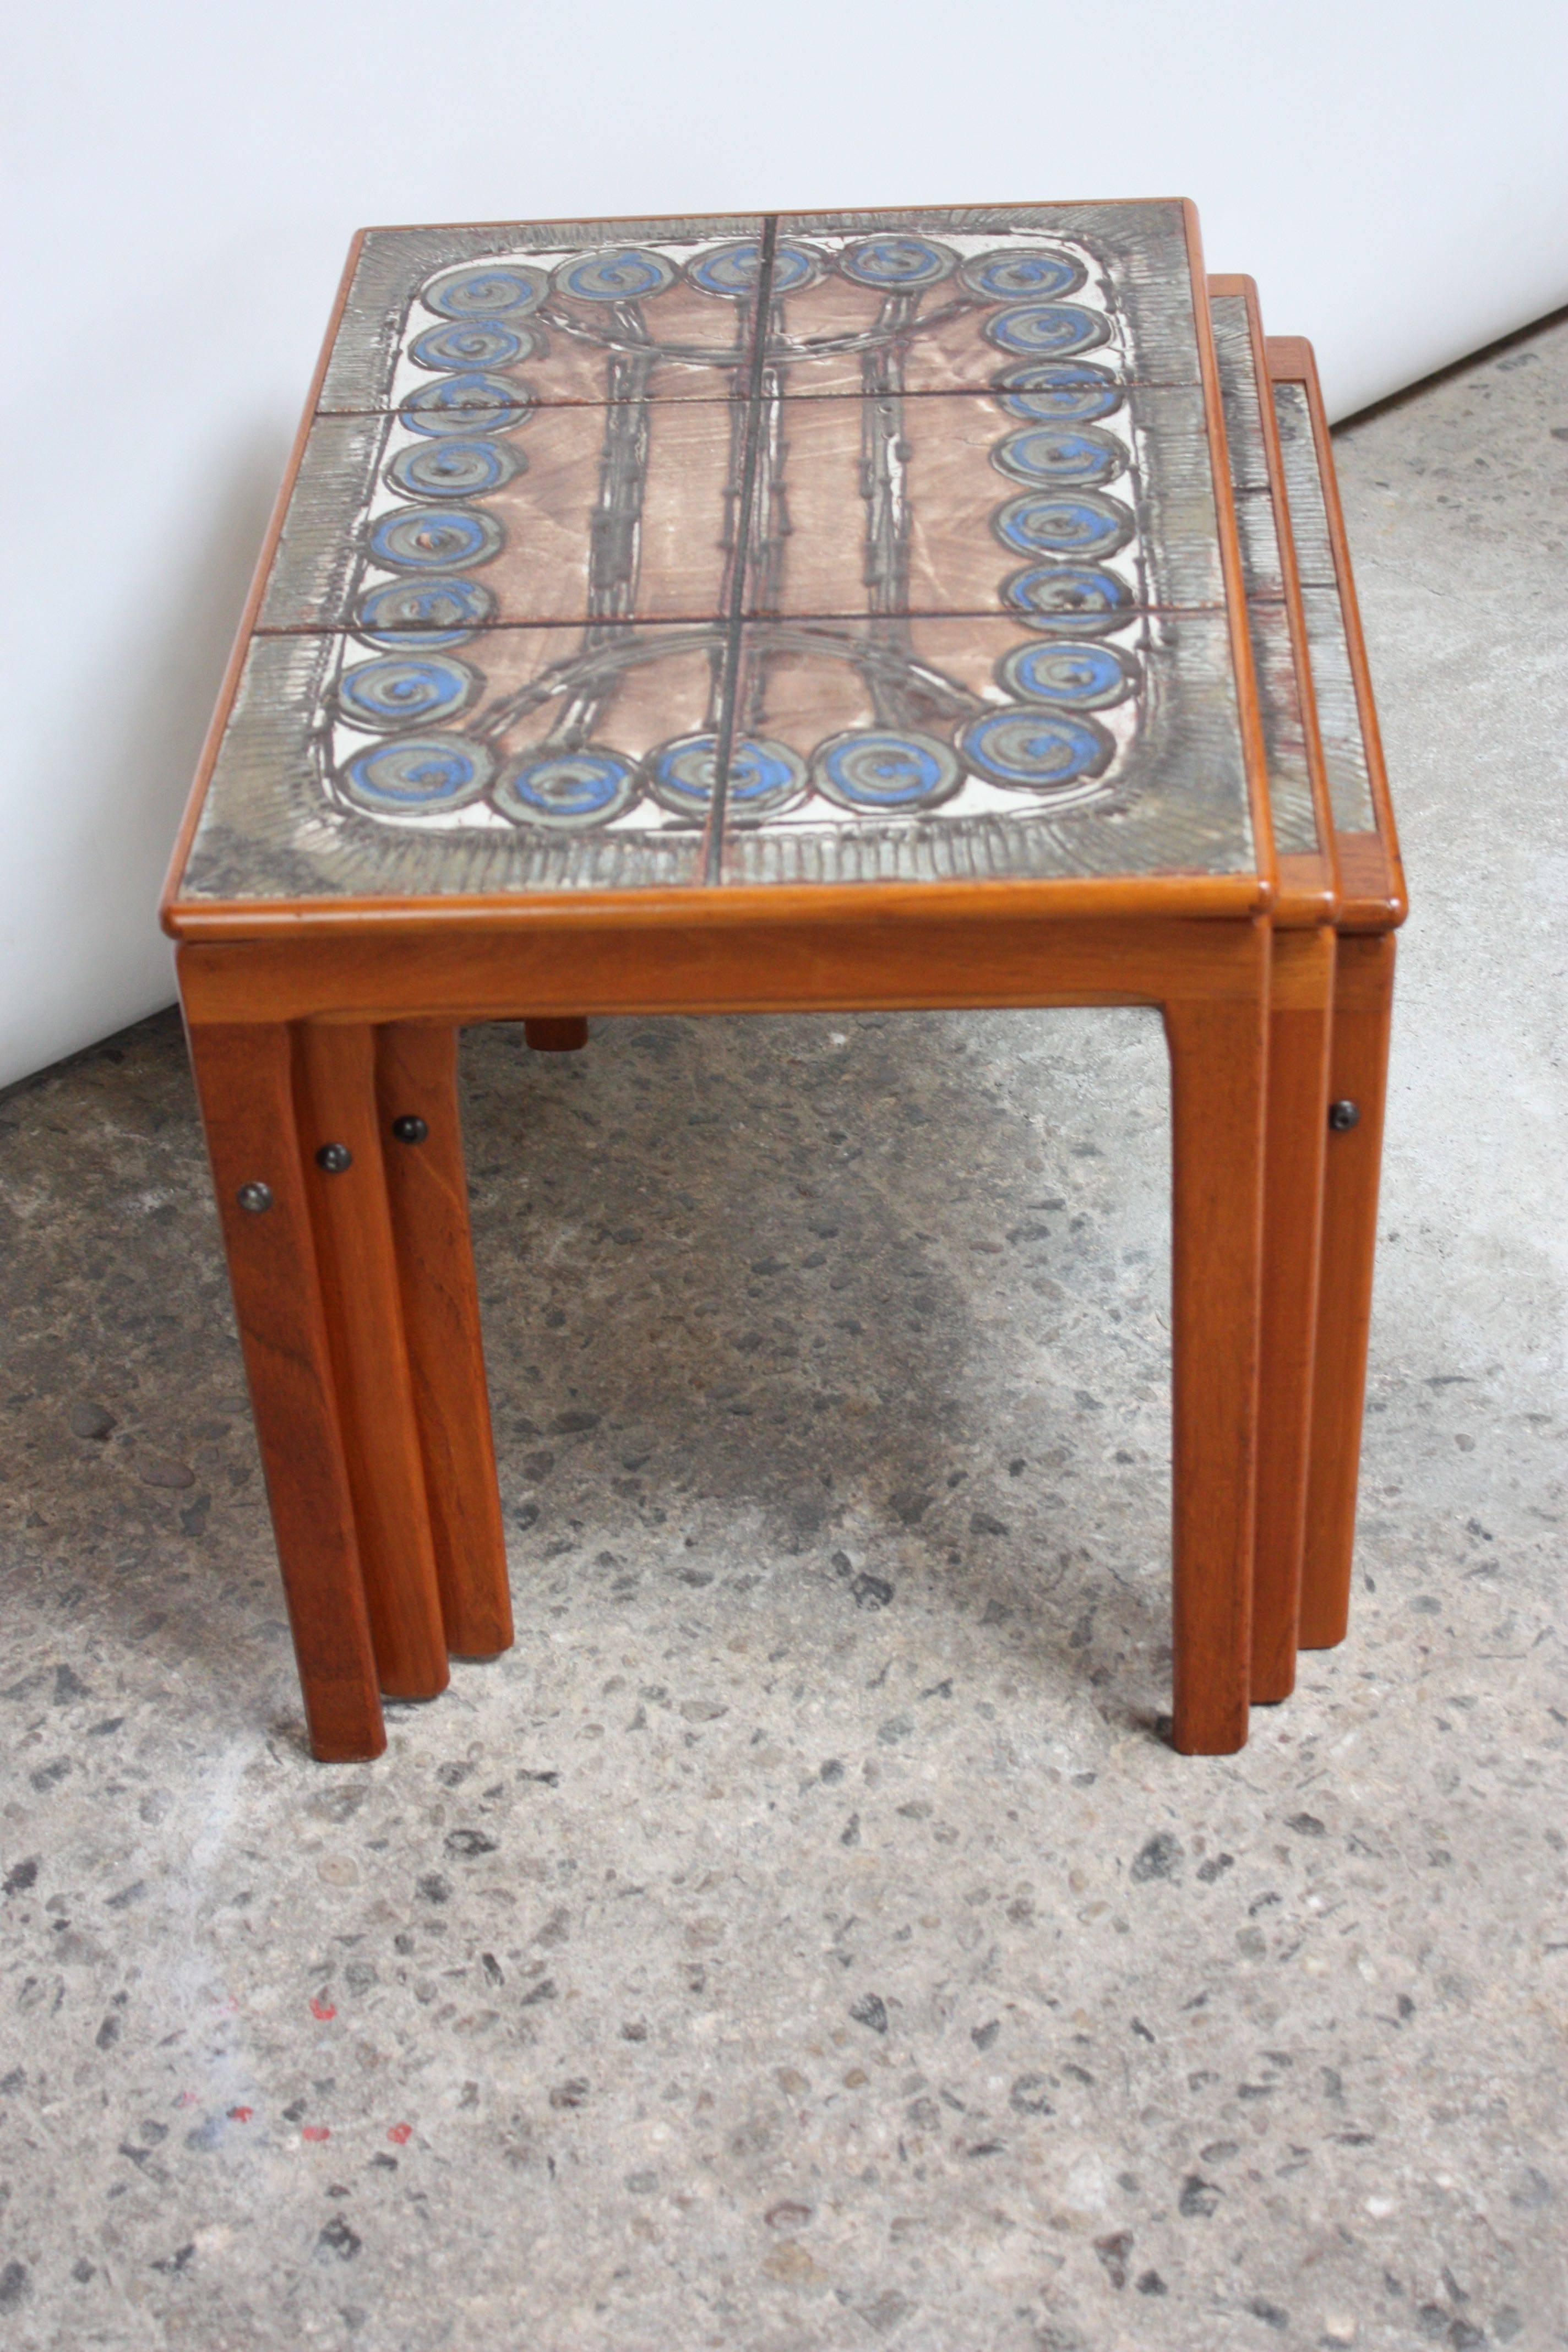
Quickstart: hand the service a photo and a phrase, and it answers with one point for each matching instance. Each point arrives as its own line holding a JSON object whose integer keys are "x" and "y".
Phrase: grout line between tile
{"x": 735, "y": 620}
{"x": 698, "y": 622}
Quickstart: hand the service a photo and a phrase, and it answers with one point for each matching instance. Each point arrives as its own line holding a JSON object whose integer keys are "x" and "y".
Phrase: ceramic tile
{"x": 1339, "y": 713}
{"x": 1262, "y": 568}
{"x": 553, "y": 514}
{"x": 1239, "y": 394}
{"x": 1274, "y": 651}
{"x": 971, "y": 503}
{"x": 1304, "y": 486}
{"x": 957, "y": 299}
{"x": 1334, "y": 681}
{"x": 531, "y": 525}
{"x": 460, "y": 761}
{"x": 1290, "y": 802}
{"x": 918, "y": 749}
{"x": 461, "y": 318}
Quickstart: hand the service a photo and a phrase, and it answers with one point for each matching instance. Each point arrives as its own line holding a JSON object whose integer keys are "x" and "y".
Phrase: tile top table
{"x": 682, "y": 554}
{"x": 788, "y": 613}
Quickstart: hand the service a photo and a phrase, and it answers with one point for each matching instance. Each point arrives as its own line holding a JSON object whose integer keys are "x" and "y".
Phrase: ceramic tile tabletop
{"x": 618, "y": 550}
{"x": 1337, "y": 712}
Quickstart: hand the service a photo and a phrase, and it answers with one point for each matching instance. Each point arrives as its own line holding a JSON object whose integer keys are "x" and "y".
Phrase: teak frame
{"x": 332, "y": 1023}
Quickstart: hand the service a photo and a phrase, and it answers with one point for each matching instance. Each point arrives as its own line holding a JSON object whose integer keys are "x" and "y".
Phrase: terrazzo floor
{"x": 803, "y": 1940}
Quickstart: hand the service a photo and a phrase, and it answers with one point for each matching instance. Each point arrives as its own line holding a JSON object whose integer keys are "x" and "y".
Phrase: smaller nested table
{"x": 788, "y": 615}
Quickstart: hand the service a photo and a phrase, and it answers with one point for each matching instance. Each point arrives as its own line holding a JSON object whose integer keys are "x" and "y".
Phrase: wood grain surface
{"x": 337, "y": 1109}
{"x": 245, "y": 1080}
{"x": 428, "y": 1193}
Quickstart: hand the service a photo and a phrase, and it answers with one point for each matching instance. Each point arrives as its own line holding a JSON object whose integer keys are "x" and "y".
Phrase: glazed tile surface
{"x": 565, "y": 480}
{"x": 1274, "y": 653}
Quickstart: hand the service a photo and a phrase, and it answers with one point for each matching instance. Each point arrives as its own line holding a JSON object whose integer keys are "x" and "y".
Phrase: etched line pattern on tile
{"x": 614, "y": 731}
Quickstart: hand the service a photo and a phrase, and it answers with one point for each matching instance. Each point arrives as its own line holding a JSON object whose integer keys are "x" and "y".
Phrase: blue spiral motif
{"x": 566, "y": 790}
{"x": 454, "y": 469}
{"x": 444, "y": 611}
{"x": 734, "y": 270}
{"x": 466, "y": 404}
{"x": 434, "y": 538}
{"x": 416, "y": 773}
{"x": 1036, "y": 751}
{"x": 1055, "y": 523}
{"x": 1084, "y": 678}
{"x": 764, "y": 777}
{"x": 1066, "y": 391}
{"x": 1066, "y": 454}
{"x": 1073, "y": 600}
{"x": 623, "y": 274}
{"x": 1032, "y": 270}
{"x": 487, "y": 289}
{"x": 897, "y": 265}
{"x": 405, "y": 690}
{"x": 869, "y": 768}
{"x": 472, "y": 343}
{"x": 1047, "y": 331}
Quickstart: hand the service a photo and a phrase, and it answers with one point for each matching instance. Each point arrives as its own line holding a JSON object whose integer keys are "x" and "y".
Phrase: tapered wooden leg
{"x": 244, "y": 1081}
{"x": 335, "y": 1073}
{"x": 1218, "y": 1070}
{"x": 566, "y": 1035}
{"x": 1358, "y": 1075}
{"x": 422, "y": 1146}
{"x": 1300, "y": 1013}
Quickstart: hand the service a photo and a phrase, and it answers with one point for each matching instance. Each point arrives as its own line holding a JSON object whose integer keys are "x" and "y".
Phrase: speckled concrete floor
{"x": 803, "y": 1939}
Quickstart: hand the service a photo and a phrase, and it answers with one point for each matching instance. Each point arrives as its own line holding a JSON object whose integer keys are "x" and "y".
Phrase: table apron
{"x": 787, "y": 967}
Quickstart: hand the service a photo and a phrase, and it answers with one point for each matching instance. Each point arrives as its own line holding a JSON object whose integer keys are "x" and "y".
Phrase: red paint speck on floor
{"x": 400, "y": 2135}
{"x": 315, "y": 2132}
{"x": 240, "y": 2115}
{"x": 321, "y": 2009}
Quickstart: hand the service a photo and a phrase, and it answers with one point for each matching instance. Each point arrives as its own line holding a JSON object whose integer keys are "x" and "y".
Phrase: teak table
{"x": 794, "y": 613}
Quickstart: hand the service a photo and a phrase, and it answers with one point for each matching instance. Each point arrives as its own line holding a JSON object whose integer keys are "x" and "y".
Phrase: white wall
{"x": 187, "y": 174}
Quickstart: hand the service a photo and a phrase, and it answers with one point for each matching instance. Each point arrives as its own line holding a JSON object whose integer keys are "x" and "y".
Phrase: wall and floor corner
{"x": 185, "y": 183}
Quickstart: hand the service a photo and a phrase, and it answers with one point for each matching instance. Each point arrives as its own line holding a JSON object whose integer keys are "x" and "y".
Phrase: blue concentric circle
{"x": 897, "y": 265}
{"x": 1047, "y": 331}
{"x": 405, "y": 690}
{"x": 1084, "y": 678}
{"x": 1072, "y": 454}
{"x": 626, "y": 273}
{"x": 454, "y": 469}
{"x": 1075, "y": 600}
{"x": 1047, "y": 522}
{"x": 1035, "y": 272}
{"x": 566, "y": 790}
{"x": 487, "y": 289}
{"x": 466, "y": 404}
{"x": 472, "y": 343}
{"x": 1036, "y": 751}
{"x": 1066, "y": 391}
{"x": 733, "y": 271}
{"x": 443, "y": 612}
{"x": 434, "y": 538}
{"x": 416, "y": 774}
{"x": 764, "y": 777}
{"x": 869, "y": 768}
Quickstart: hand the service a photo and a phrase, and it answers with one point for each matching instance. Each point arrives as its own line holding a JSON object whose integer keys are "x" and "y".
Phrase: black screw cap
{"x": 334, "y": 1158}
{"x": 1344, "y": 1116}
{"x": 410, "y": 1128}
{"x": 255, "y": 1197}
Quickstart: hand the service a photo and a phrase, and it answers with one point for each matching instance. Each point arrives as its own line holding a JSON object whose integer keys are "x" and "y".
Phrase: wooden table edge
{"x": 1372, "y": 878}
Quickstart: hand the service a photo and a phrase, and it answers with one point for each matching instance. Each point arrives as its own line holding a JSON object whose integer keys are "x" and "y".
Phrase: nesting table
{"x": 788, "y": 613}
